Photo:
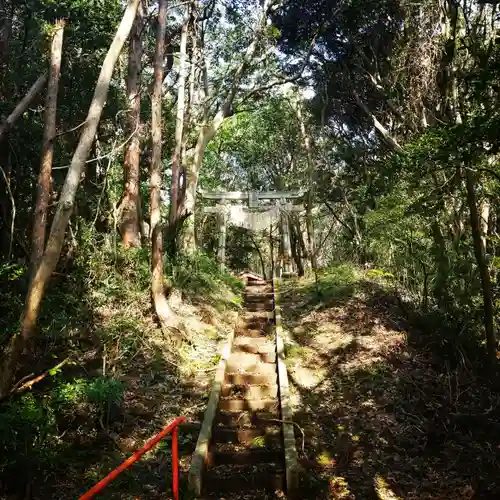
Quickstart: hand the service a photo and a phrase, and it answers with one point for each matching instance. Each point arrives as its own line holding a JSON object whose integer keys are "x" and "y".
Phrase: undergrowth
{"x": 458, "y": 341}
{"x": 391, "y": 406}
{"x": 97, "y": 315}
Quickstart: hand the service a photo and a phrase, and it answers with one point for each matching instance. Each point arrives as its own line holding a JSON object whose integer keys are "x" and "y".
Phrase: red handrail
{"x": 172, "y": 427}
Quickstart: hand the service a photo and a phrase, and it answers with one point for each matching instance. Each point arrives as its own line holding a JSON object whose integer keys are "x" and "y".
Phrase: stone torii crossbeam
{"x": 252, "y": 198}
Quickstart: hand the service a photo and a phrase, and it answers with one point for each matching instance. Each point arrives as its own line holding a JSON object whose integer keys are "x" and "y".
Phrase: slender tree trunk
{"x": 10, "y": 121}
{"x": 161, "y": 305}
{"x": 261, "y": 257}
{"x": 196, "y": 57}
{"x": 442, "y": 267}
{"x": 311, "y": 254}
{"x": 386, "y": 136}
{"x": 193, "y": 166}
{"x": 482, "y": 265}
{"x": 49, "y": 132}
{"x": 484, "y": 224}
{"x": 131, "y": 220}
{"x": 6, "y": 14}
{"x": 65, "y": 206}
{"x": 295, "y": 248}
{"x": 179, "y": 129}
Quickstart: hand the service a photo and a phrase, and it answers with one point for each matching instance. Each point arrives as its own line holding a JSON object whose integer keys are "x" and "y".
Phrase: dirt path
{"x": 383, "y": 417}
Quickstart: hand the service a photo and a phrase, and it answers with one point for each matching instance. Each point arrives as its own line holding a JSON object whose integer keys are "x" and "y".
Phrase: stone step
{"x": 257, "y": 297}
{"x": 252, "y": 283}
{"x": 246, "y": 457}
{"x": 240, "y": 404}
{"x": 228, "y": 479}
{"x": 249, "y": 391}
{"x": 239, "y": 362}
{"x": 266, "y": 333}
{"x": 262, "y": 341}
{"x": 256, "y": 315}
{"x": 251, "y": 378}
{"x": 259, "y": 307}
{"x": 259, "y": 437}
{"x": 241, "y": 419}
{"x": 265, "y": 324}
{"x": 253, "y": 344}
{"x": 262, "y": 357}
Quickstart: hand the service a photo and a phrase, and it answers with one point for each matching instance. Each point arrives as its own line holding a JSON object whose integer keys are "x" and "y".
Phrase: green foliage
{"x": 254, "y": 150}
{"x": 379, "y": 274}
{"x": 29, "y": 424}
{"x": 99, "y": 393}
{"x": 199, "y": 276}
{"x": 12, "y": 287}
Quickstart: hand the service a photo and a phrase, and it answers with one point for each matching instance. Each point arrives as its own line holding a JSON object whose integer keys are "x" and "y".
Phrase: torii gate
{"x": 253, "y": 197}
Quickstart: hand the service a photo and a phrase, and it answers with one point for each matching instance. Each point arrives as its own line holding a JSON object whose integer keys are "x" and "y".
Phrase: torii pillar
{"x": 222, "y": 223}
{"x": 285, "y": 236}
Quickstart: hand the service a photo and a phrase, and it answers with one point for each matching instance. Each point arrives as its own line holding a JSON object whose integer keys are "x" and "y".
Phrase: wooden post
{"x": 221, "y": 249}
{"x": 285, "y": 236}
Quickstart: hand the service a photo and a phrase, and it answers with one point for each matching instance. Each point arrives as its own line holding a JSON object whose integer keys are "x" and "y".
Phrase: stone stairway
{"x": 245, "y": 455}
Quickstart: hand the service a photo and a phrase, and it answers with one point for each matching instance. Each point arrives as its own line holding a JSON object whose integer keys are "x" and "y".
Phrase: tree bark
{"x": 131, "y": 208}
{"x": 482, "y": 265}
{"x": 311, "y": 253}
{"x": 65, "y": 205}
{"x": 386, "y": 136}
{"x": 6, "y": 19}
{"x": 295, "y": 237}
{"x": 484, "y": 224}
{"x": 179, "y": 130}
{"x": 45, "y": 176}
{"x": 162, "y": 308}
{"x": 10, "y": 121}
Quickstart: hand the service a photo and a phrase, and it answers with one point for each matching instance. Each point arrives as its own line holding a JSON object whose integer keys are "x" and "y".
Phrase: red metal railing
{"x": 172, "y": 427}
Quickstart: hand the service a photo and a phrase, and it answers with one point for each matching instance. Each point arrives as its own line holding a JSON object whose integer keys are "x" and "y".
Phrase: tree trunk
{"x": 295, "y": 248}
{"x": 193, "y": 165}
{"x": 484, "y": 224}
{"x": 386, "y": 136}
{"x": 65, "y": 205}
{"x": 131, "y": 208}
{"x": 179, "y": 130}
{"x": 162, "y": 308}
{"x": 6, "y": 13}
{"x": 442, "y": 267}
{"x": 44, "y": 178}
{"x": 311, "y": 253}
{"x": 9, "y": 122}
{"x": 482, "y": 265}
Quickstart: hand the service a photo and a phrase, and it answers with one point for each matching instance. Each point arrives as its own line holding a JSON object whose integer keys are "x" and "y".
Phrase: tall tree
{"x": 131, "y": 203}
{"x": 311, "y": 253}
{"x": 65, "y": 205}
{"x": 179, "y": 124}
{"x": 44, "y": 183}
{"x": 162, "y": 308}
{"x": 479, "y": 252}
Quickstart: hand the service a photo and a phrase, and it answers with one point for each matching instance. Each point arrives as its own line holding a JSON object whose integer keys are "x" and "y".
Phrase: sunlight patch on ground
{"x": 383, "y": 490}
{"x": 307, "y": 377}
